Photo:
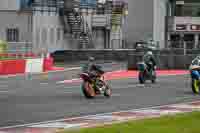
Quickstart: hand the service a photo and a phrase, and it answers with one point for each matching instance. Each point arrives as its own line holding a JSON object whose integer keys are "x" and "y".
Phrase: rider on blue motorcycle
{"x": 150, "y": 60}
{"x": 195, "y": 68}
{"x": 195, "y": 75}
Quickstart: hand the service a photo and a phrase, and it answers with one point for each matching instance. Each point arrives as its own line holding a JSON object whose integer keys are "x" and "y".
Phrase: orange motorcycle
{"x": 94, "y": 84}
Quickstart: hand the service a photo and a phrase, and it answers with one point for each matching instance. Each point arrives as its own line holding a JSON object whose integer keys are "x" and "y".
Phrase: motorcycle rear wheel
{"x": 153, "y": 81}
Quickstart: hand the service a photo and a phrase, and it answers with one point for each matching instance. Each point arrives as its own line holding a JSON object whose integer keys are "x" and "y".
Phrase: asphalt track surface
{"x": 26, "y": 100}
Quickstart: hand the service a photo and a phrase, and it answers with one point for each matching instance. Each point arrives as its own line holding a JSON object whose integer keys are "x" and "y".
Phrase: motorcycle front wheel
{"x": 141, "y": 78}
{"x": 107, "y": 92}
{"x": 106, "y": 88}
{"x": 153, "y": 80}
{"x": 195, "y": 86}
{"x": 88, "y": 90}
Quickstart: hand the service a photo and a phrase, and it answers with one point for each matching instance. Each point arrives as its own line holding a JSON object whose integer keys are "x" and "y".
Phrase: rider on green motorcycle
{"x": 150, "y": 60}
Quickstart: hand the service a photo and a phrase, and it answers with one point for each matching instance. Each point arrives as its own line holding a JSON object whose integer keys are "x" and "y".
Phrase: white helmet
{"x": 195, "y": 64}
{"x": 149, "y": 53}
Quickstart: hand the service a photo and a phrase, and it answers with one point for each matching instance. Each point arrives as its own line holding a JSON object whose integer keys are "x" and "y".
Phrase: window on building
{"x": 188, "y": 9}
{"x": 179, "y": 10}
{"x": 44, "y": 35}
{"x": 189, "y": 40}
{"x": 198, "y": 46}
{"x": 175, "y": 41}
{"x": 52, "y": 35}
{"x": 37, "y": 36}
{"x": 189, "y": 37}
{"x": 58, "y": 34}
{"x": 100, "y": 8}
{"x": 12, "y": 34}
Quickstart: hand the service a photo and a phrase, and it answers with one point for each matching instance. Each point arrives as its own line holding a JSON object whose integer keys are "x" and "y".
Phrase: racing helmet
{"x": 149, "y": 53}
{"x": 91, "y": 59}
{"x": 195, "y": 64}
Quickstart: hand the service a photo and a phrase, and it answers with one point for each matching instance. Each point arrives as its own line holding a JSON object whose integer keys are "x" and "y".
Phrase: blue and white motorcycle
{"x": 195, "y": 75}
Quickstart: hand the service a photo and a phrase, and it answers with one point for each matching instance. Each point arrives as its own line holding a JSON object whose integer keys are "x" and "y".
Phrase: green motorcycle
{"x": 145, "y": 73}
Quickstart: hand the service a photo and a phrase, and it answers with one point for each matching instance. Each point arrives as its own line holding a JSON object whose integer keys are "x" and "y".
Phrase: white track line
{"x": 59, "y": 120}
{"x": 78, "y": 79}
{"x": 44, "y": 83}
{"x": 4, "y": 91}
{"x": 25, "y": 74}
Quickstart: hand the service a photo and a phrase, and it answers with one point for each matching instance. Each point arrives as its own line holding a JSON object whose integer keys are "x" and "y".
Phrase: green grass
{"x": 8, "y": 58}
{"x": 182, "y": 123}
{"x": 13, "y": 58}
{"x": 59, "y": 64}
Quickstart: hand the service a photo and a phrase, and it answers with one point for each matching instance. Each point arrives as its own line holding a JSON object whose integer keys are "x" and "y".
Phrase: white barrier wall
{"x": 34, "y": 65}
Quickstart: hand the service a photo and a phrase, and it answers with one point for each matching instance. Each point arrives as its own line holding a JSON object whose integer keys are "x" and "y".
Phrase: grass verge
{"x": 181, "y": 123}
{"x": 59, "y": 64}
{"x": 15, "y": 58}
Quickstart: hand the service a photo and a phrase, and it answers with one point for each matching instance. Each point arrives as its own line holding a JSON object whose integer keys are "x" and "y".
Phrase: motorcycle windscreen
{"x": 141, "y": 66}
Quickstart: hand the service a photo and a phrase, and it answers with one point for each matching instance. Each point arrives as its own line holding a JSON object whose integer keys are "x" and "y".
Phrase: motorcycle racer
{"x": 150, "y": 60}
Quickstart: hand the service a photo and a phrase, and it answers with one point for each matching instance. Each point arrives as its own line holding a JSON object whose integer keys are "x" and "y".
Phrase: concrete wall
{"x": 9, "y": 5}
{"x": 22, "y": 21}
{"x": 140, "y": 20}
{"x": 78, "y": 55}
{"x": 166, "y": 59}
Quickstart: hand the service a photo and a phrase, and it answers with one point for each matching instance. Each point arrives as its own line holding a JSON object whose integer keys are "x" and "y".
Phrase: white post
{"x": 34, "y": 36}
{"x": 89, "y": 18}
{"x": 184, "y": 47}
{"x": 84, "y": 14}
{"x": 196, "y": 41}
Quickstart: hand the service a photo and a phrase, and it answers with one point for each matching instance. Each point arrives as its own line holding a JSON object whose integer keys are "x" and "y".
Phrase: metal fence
{"x": 183, "y": 44}
{"x": 19, "y": 47}
{"x": 17, "y": 50}
{"x": 166, "y": 58}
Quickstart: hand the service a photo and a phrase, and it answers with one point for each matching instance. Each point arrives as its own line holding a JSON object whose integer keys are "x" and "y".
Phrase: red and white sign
{"x": 195, "y": 27}
{"x": 181, "y": 27}
{"x": 34, "y": 65}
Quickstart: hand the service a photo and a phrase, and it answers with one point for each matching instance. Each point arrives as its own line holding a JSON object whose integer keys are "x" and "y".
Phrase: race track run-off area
{"x": 35, "y": 106}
